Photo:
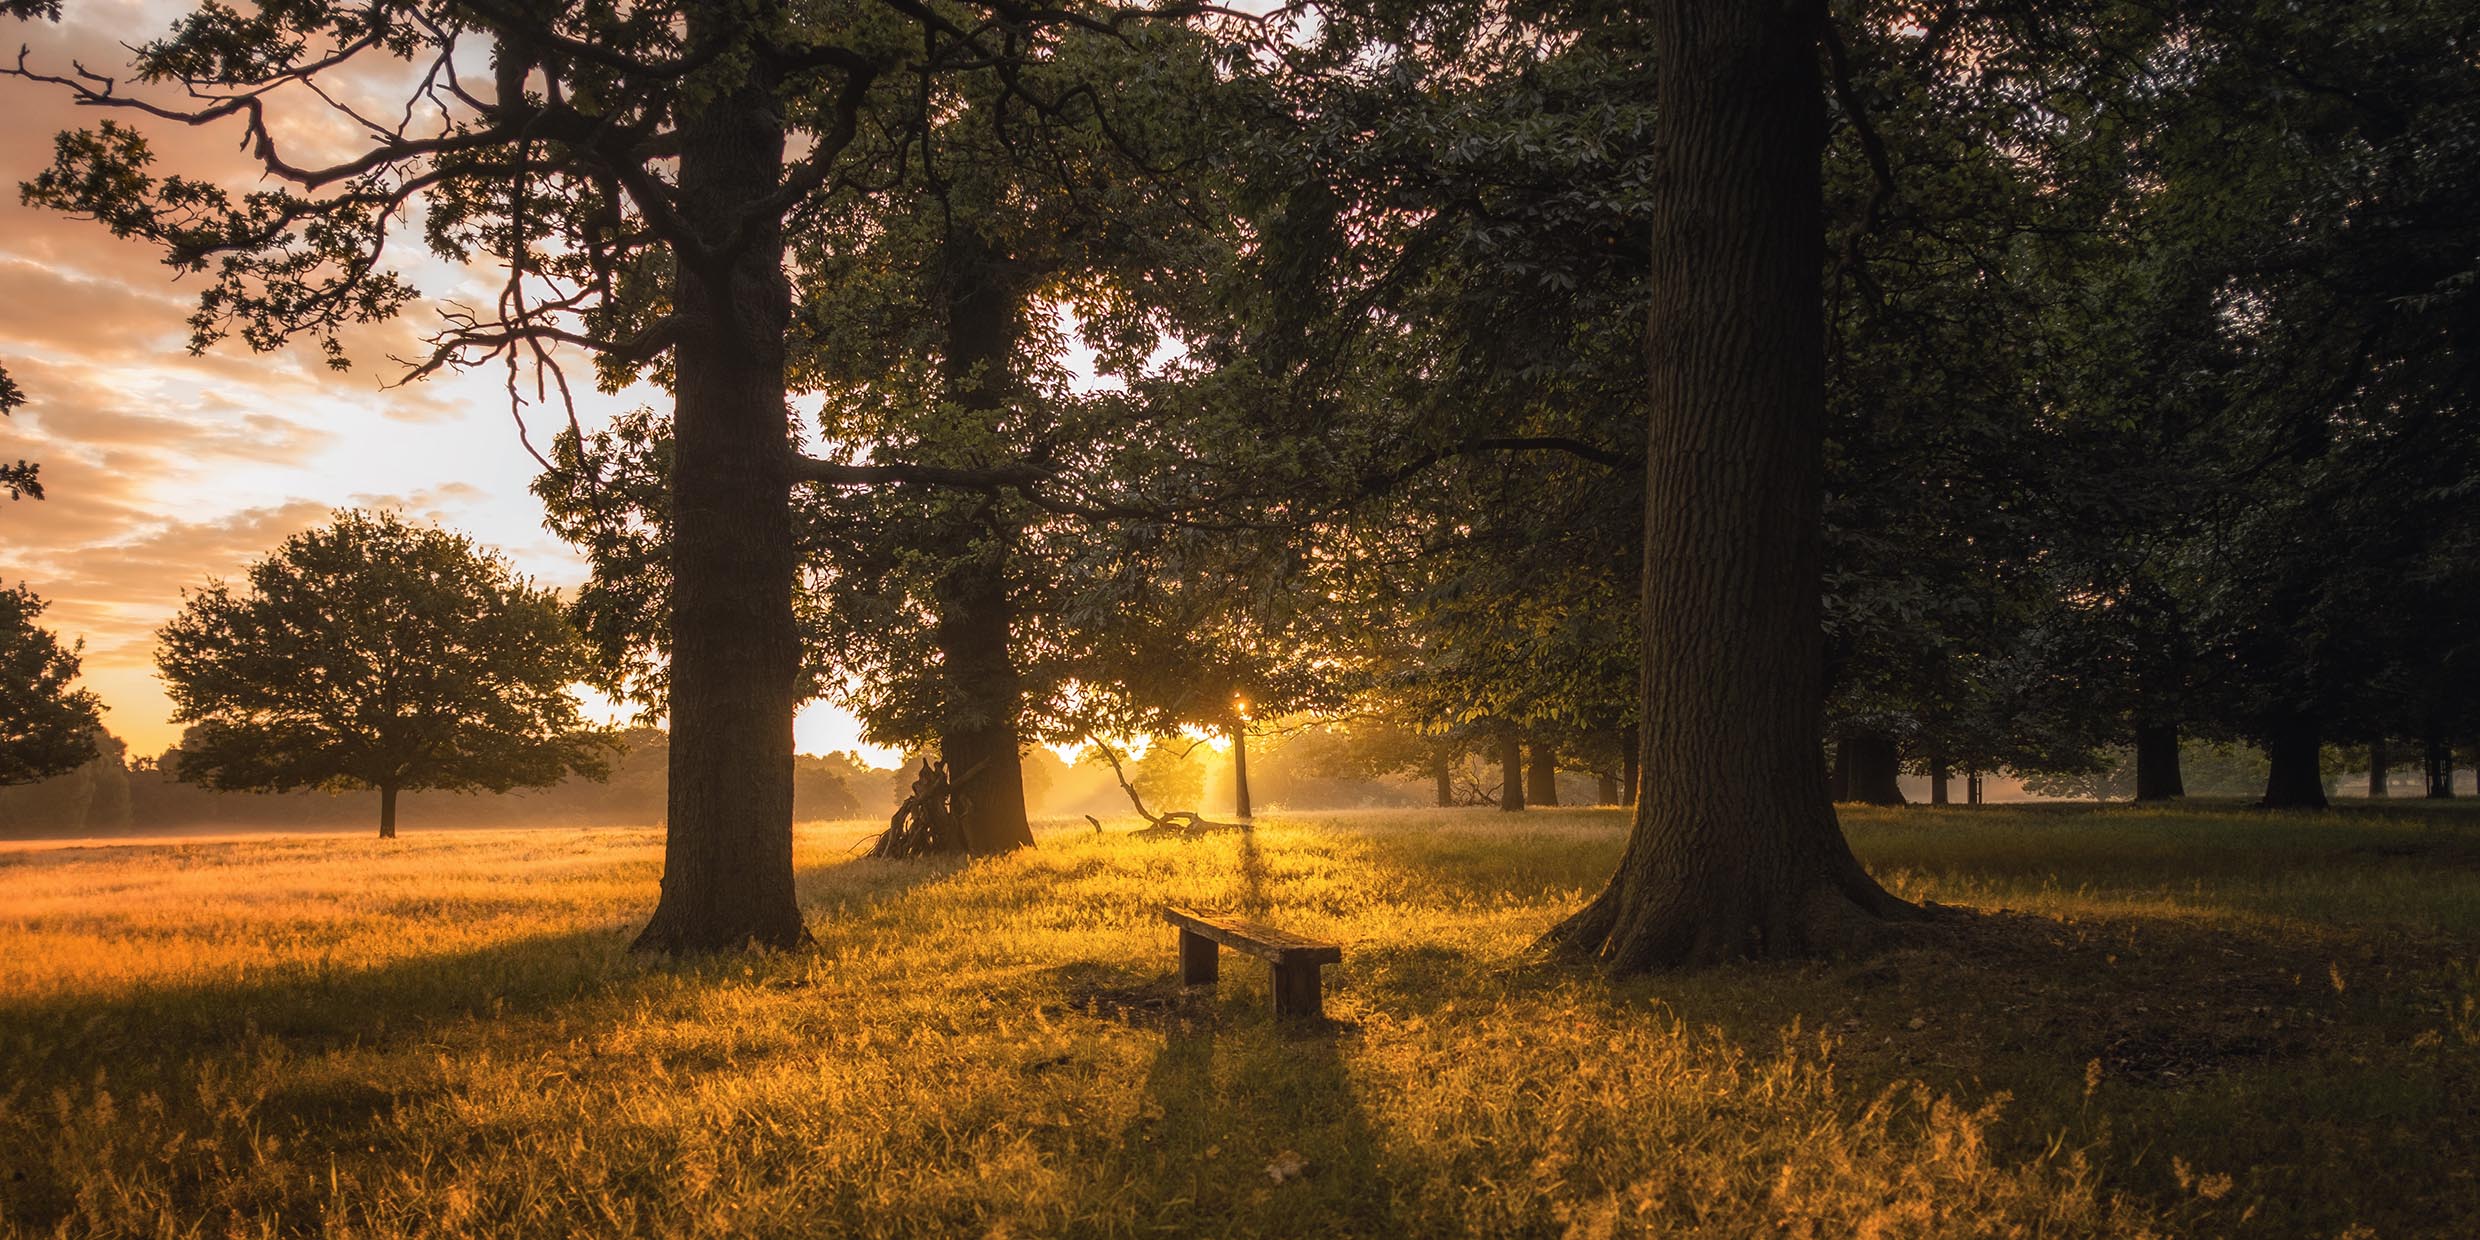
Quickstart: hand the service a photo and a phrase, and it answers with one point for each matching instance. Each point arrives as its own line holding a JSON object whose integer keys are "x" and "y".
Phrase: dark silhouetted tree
{"x": 20, "y": 480}
{"x": 46, "y": 727}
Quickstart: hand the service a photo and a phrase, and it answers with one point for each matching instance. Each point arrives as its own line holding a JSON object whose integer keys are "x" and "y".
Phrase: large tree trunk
{"x": 1754, "y": 864}
{"x": 984, "y": 694}
{"x": 2157, "y": 763}
{"x": 1510, "y": 769}
{"x": 1606, "y": 790}
{"x": 1442, "y": 769}
{"x": 1939, "y": 774}
{"x": 735, "y": 659}
{"x": 1541, "y": 777}
{"x": 2292, "y": 743}
{"x": 978, "y": 736}
{"x": 387, "y": 811}
{"x": 1876, "y": 769}
{"x": 2437, "y": 761}
{"x": 2379, "y": 768}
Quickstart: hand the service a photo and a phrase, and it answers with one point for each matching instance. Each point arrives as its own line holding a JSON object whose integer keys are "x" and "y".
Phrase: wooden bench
{"x": 1296, "y": 960}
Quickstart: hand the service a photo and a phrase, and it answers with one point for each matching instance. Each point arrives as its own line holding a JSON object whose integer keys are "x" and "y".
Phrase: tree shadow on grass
{"x": 1253, "y": 900}
{"x": 1249, "y": 1126}
{"x": 289, "y": 1048}
{"x": 322, "y": 1055}
{"x": 844, "y": 890}
{"x": 2263, "y": 1044}
{"x": 2262, "y": 1049}
{"x": 310, "y": 1007}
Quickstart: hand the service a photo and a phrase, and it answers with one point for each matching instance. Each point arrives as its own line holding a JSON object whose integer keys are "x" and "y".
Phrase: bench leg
{"x": 1296, "y": 991}
{"x": 1198, "y": 966}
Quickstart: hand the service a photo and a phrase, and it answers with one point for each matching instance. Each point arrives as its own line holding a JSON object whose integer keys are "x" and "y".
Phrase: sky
{"x": 163, "y": 469}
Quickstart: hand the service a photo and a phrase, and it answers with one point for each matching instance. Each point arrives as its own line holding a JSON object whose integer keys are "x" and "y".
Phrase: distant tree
{"x": 46, "y": 728}
{"x": 378, "y": 654}
{"x": 1172, "y": 773}
{"x": 91, "y": 799}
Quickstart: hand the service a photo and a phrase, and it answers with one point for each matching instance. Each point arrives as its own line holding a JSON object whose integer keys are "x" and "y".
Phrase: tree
{"x": 2313, "y": 185}
{"x": 93, "y": 798}
{"x": 631, "y": 169}
{"x": 372, "y": 653}
{"x": 46, "y": 727}
{"x": 1733, "y": 698}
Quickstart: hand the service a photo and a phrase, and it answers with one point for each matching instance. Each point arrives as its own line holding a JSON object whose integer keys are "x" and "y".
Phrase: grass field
{"x": 2197, "y": 1021}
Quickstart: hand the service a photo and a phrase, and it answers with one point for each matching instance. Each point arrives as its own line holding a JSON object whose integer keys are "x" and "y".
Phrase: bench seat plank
{"x": 1257, "y": 939}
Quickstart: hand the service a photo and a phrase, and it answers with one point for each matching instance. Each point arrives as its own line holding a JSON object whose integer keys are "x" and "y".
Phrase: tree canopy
{"x": 46, "y": 726}
{"x": 374, "y": 653}
{"x": 2028, "y": 387}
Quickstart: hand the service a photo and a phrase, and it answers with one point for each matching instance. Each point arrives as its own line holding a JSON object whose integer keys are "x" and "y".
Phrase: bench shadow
{"x": 1248, "y": 1125}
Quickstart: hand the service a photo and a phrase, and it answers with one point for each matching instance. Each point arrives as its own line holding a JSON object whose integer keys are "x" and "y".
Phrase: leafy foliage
{"x": 46, "y": 727}
{"x": 374, "y": 653}
{"x": 21, "y": 479}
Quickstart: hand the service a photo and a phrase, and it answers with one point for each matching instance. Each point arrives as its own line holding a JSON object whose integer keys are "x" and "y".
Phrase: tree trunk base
{"x": 927, "y": 824}
{"x": 2157, "y": 763}
{"x": 1827, "y": 918}
{"x": 2291, "y": 745}
{"x": 1685, "y": 907}
{"x": 664, "y": 937}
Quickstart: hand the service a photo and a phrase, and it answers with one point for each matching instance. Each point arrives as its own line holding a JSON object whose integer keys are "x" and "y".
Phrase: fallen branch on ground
{"x": 1178, "y": 821}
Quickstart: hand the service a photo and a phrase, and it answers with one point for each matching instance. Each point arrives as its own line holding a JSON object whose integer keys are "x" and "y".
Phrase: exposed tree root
{"x": 930, "y": 822}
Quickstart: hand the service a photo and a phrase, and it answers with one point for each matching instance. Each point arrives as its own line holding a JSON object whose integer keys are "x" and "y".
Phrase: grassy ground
{"x": 2186, "y": 1022}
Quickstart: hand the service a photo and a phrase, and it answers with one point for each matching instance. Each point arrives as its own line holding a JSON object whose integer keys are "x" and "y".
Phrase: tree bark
{"x": 2160, "y": 686}
{"x": 2379, "y": 767}
{"x": 1607, "y": 790}
{"x": 1838, "y": 776}
{"x": 984, "y": 694}
{"x": 1939, "y": 774}
{"x": 2157, "y": 763}
{"x": 1240, "y": 772}
{"x": 387, "y": 811}
{"x": 978, "y": 730}
{"x": 2292, "y": 743}
{"x": 2438, "y": 762}
{"x": 1754, "y": 864}
{"x": 1541, "y": 778}
{"x": 735, "y": 659}
{"x": 1442, "y": 768}
{"x": 1876, "y": 770}
{"x": 1510, "y": 769}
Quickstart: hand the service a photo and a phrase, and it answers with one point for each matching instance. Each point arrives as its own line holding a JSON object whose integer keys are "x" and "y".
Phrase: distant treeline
{"x": 113, "y": 794}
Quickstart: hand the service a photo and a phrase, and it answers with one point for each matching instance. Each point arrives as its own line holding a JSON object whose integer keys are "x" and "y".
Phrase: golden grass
{"x": 2194, "y": 1022}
